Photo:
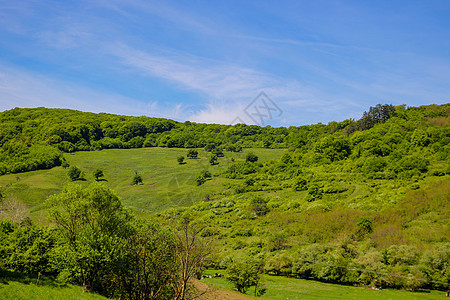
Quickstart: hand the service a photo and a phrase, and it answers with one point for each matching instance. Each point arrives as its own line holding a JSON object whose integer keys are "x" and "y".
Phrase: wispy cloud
{"x": 227, "y": 88}
{"x": 131, "y": 9}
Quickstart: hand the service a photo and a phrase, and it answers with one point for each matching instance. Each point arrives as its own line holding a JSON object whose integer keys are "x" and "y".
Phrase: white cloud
{"x": 227, "y": 88}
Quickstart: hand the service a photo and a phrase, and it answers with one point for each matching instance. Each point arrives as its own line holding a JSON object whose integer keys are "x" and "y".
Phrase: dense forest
{"x": 355, "y": 202}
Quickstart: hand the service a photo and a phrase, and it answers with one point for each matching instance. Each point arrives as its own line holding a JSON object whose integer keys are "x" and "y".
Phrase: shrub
{"x": 300, "y": 184}
{"x": 244, "y": 273}
{"x": 97, "y": 174}
{"x": 137, "y": 179}
{"x": 251, "y": 157}
{"x": 75, "y": 173}
{"x": 192, "y": 153}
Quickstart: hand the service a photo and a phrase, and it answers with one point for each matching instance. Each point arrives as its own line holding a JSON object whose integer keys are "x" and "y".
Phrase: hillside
{"x": 360, "y": 202}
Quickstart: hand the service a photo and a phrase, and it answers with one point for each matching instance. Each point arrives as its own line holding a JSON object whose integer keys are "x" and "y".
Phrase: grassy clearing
{"x": 165, "y": 182}
{"x": 279, "y": 287}
{"x": 17, "y": 286}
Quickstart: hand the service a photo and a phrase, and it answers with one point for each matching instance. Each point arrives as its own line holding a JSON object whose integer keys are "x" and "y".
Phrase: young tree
{"x": 213, "y": 160}
{"x": 251, "y": 157}
{"x": 97, "y": 174}
{"x": 244, "y": 273}
{"x": 192, "y": 153}
{"x": 75, "y": 173}
{"x": 200, "y": 179}
{"x": 137, "y": 179}
{"x": 180, "y": 159}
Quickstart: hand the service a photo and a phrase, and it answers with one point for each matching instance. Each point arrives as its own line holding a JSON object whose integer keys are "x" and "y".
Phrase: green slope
{"x": 165, "y": 182}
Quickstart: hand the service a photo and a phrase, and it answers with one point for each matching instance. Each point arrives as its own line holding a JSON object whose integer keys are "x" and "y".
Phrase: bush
{"x": 251, "y": 157}
{"x": 300, "y": 184}
{"x": 75, "y": 173}
{"x": 258, "y": 206}
{"x": 244, "y": 273}
{"x": 97, "y": 174}
{"x": 180, "y": 159}
{"x": 192, "y": 153}
{"x": 200, "y": 179}
{"x": 137, "y": 179}
{"x": 213, "y": 160}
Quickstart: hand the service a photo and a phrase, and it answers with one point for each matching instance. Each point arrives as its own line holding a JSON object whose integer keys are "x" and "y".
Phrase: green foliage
{"x": 192, "y": 153}
{"x": 98, "y": 174}
{"x": 94, "y": 227}
{"x": 213, "y": 160}
{"x": 365, "y": 224}
{"x": 27, "y": 249}
{"x": 137, "y": 179}
{"x": 314, "y": 193}
{"x": 200, "y": 179}
{"x": 238, "y": 169}
{"x": 244, "y": 273}
{"x": 149, "y": 268}
{"x": 251, "y": 157}
{"x": 361, "y": 222}
{"x": 334, "y": 147}
{"x": 180, "y": 160}
{"x": 75, "y": 173}
{"x": 378, "y": 114}
{"x": 218, "y": 151}
{"x": 300, "y": 184}
{"x": 258, "y": 206}
{"x": 286, "y": 158}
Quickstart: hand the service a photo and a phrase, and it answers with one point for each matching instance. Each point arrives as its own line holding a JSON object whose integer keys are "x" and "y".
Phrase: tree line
{"x": 36, "y": 138}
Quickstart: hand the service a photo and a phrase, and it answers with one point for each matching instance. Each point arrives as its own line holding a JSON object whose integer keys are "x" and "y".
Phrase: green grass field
{"x": 165, "y": 182}
{"x": 17, "y": 286}
{"x": 279, "y": 287}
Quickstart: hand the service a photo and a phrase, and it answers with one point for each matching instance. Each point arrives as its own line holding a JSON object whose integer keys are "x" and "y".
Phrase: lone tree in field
{"x": 180, "y": 159}
{"x": 97, "y": 174}
{"x": 213, "y": 160}
{"x": 192, "y": 153}
{"x": 75, "y": 173}
{"x": 137, "y": 179}
{"x": 251, "y": 157}
{"x": 244, "y": 273}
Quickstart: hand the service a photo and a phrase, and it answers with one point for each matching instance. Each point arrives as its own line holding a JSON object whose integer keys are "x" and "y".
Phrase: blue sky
{"x": 206, "y": 61}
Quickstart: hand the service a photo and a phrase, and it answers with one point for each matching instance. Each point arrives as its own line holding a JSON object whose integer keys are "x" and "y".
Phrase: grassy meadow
{"x": 165, "y": 182}
{"x": 279, "y": 287}
{"x": 17, "y": 286}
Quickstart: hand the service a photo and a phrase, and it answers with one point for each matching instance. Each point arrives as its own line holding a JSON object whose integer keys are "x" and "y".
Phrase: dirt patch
{"x": 211, "y": 293}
